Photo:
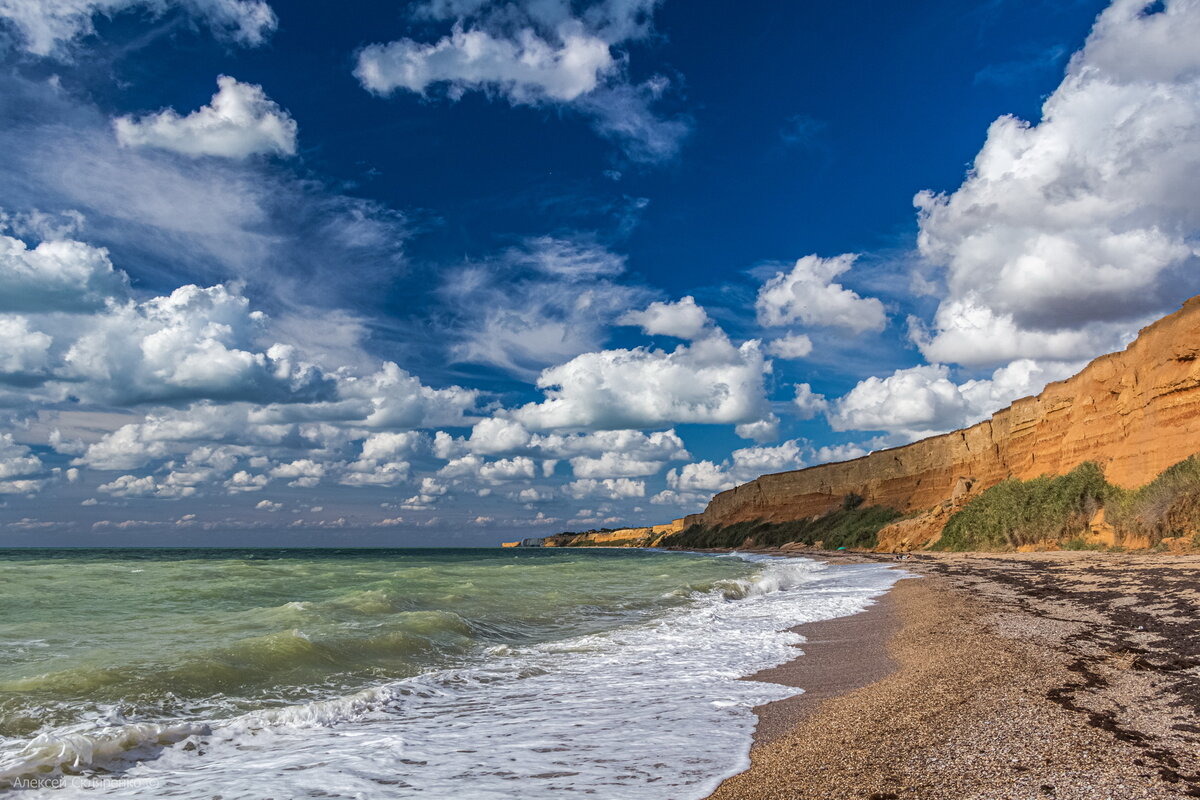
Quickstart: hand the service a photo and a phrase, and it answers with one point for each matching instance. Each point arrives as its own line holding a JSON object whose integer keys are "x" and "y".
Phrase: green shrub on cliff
{"x": 1015, "y": 512}
{"x": 1167, "y": 506}
{"x": 844, "y": 527}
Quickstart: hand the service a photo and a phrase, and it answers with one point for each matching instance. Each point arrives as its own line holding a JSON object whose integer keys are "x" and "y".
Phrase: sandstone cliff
{"x": 1135, "y": 413}
{"x": 648, "y": 536}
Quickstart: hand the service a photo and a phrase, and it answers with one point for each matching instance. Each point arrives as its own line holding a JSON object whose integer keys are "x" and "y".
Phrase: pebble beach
{"x": 1045, "y": 675}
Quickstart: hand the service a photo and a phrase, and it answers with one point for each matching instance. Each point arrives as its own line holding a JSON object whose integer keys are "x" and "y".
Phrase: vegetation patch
{"x": 1059, "y": 509}
{"x": 1167, "y": 506}
{"x": 1080, "y": 543}
{"x": 1007, "y": 516}
{"x": 851, "y": 526}
{"x": 1014, "y": 512}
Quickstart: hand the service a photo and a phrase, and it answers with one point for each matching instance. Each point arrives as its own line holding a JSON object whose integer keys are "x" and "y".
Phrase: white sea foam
{"x": 652, "y": 710}
{"x": 51, "y": 753}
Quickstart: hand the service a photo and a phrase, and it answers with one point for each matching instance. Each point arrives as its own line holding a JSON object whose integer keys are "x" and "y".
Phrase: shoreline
{"x": 837, "y": 656}
{"x": 1056, "y": 675}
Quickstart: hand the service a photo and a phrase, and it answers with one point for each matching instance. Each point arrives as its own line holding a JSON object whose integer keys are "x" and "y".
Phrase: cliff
{"x": 648, "y": 536}
{"x": 1135, "y": 412}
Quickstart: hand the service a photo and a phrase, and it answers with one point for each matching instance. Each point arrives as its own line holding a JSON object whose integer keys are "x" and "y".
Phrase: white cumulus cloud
{"x": 683, "y": 319}
{"x": 1069, "y": 232}
{"x": 613, "y": 465}
{"x": 699, "y": 477}
{"x": 390, "y": 445}
{"x": 807, "y": 402}
{"x": 25, "y": 354}
{"x": 57, "y": 275}
{"x": 508, "y": 469}
{"x": 611, "y": 488}
{"x": 709, "y": 380}
{"x": 662, "y": 445}
{"x": 808, "y": 295}
{"x": 685, "y": 500}
{"x": 244, "y": 481}
{"x": 537, "y": 53}
{"x": 194, "y": 343}
{"x": 16, "y": 460}
{"x": 374, "y": 473}
{"x": 527, "y": 68}
{"x": 496, "y": 435}
{"x": 921, "y": 401}
{"x": 792, "y": 346}
{"x": 750, "y": 462}
{"x": 742, "y": 466}
{"x": 762, "y": 430}
{"x": 239, "y": 122}
{"x": 302, "y": 473}
{"x": 148, "y": 486}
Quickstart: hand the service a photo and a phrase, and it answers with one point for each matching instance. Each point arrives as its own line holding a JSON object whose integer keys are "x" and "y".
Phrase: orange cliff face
{"x": 1135, "y": 413}
{"x": 648, "y": 536}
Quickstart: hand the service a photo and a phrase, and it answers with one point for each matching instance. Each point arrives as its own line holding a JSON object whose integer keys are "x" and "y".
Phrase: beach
{"x": 1065, "y": 675}
{"x": 1044, "y": 675}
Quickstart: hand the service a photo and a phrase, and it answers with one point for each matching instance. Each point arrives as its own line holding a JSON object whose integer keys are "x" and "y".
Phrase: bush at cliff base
{"x": 1167, "y": 506}
{"x": 851, "y": 526}
{"x": 1059, "y": 509}
{"x": 1015, "y": 512}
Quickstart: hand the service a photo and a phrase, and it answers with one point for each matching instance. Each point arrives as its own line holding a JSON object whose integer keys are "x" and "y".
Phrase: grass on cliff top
{"x": 852, "y": 525}
{"x": 1015, "y": 512}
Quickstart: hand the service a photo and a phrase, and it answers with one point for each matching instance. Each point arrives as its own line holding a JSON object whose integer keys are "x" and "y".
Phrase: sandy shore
{"x": 1057, "y": 675}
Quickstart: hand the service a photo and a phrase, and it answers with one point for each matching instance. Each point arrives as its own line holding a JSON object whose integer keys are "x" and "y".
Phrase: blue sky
{"x": 454, "y": 271}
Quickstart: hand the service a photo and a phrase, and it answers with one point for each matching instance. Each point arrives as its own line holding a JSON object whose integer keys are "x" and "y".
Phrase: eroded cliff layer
{"x": 1135, "y": 413}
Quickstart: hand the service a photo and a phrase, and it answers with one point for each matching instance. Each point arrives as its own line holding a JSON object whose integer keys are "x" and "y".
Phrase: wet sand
{"x": 1061, "y": 675}
{"x": 840, "y": 655}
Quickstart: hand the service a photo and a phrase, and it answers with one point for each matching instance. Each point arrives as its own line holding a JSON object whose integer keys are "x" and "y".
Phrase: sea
{"x": 449, "y": 674}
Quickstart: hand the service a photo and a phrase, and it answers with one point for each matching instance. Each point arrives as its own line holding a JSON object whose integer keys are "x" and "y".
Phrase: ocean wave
{"x": 778, "y": 574}
{"x": 566, "y": 707}
{"x": 290, "y": 657}
{"x": 67, "y": 753}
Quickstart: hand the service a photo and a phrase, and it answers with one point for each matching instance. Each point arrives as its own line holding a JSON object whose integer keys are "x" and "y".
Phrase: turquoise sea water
{"x": 362, "y": 673}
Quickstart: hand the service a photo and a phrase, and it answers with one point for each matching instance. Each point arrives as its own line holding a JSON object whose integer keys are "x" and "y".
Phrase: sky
{"x": 452, "y": 272}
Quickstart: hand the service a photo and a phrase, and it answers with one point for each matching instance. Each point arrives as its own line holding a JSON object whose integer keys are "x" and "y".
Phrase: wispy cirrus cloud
{"x": 536, "y": 305}
{"x": 51, "y": 27}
